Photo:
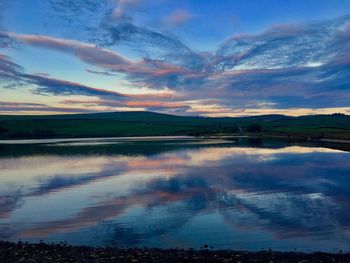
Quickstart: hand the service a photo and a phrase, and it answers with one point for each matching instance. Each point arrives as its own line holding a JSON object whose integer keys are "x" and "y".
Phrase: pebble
{"x": 62, "y": 252}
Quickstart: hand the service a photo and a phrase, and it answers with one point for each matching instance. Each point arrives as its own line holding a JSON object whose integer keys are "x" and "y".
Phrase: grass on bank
{"x": 336, "y": 126}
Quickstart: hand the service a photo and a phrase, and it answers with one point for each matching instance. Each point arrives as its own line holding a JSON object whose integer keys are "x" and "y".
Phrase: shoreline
{"x": 299, "y": 138}
{"x": 62, "y": 252}
{"x": 176, "y": 137}
{"x": 338, "y": 144}
{"x": 87, "y": 139}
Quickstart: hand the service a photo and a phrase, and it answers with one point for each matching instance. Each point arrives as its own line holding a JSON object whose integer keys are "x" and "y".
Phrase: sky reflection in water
{"x": 177, "y": 194}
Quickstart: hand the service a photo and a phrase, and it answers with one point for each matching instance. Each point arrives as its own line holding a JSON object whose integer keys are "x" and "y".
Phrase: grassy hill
{"x": 155, "y": 124}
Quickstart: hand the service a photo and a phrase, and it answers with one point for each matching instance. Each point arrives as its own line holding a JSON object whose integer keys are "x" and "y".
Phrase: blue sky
{"x": 210, "y": 58}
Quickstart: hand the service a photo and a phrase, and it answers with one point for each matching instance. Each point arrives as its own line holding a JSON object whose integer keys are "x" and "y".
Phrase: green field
{"x": 334, "y": 126}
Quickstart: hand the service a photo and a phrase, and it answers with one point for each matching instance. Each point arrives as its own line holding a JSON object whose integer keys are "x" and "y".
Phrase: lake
{"x": 183, "y": 192}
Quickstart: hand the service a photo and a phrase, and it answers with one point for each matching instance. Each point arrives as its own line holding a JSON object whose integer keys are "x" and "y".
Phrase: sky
{"x": 185, "y": 57}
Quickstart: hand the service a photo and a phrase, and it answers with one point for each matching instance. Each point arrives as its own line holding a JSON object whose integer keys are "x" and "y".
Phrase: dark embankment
{"x": 23, "y": 252}
{"x": 335, "y": 126}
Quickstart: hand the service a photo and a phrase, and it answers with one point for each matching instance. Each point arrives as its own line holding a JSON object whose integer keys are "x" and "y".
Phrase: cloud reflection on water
{"x": 282, "y": 194}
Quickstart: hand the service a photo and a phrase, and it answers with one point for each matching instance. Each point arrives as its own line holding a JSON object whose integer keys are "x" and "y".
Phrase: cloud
{"x": 10, "y": 73}
{"x": 5, "y": 41}
{"x": 146, "y": 104}
{"x": 84, "y": 15}
{"x": 147, "y": 72}
{"x": 286, "y": 67}
{"x": 284, "y": 46}
{"x": 40, "y": 110}
{"x": 7, "y": 67}
{"x": 100, "y": 57}
{"x": 154, "y": 45}
{"x": 44, "y": 85}
{"x": 10, "y": 106}
{"x": 47, "y": 85}
{"x": 109, "y": 23}
{"x": 129, "y": 2}
{"x": 120, "y": 13}
{"x": 8, "y": 204}
{"x": 86, "y": 52}
{"x": 178, "y": 17}
{"x": 87, "y": 18}
{"x": 105, "y": 73}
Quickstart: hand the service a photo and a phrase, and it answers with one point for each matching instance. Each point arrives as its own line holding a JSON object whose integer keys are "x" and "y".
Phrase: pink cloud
{"x": 131, "y": 104}
{"x": 86, "y": 52}
{"x": 178, "y": 17}
{"x": 101, "y": 57}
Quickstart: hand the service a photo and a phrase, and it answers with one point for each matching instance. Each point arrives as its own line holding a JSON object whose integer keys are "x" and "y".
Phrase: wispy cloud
{"x": 97, "y": 72}
{"x": 10, "y": 106}
{"x": 8, "y": 69}
{"x": 146, "y": 104}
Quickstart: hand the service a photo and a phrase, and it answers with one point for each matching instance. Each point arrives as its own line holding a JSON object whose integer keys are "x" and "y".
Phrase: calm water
{"x": 176, "y": 193}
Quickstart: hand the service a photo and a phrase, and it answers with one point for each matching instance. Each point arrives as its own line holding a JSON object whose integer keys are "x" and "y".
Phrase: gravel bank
{"x": 24, "y": 252}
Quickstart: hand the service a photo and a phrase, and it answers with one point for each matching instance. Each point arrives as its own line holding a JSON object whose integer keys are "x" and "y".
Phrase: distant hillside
{"x": 155, "y": 124}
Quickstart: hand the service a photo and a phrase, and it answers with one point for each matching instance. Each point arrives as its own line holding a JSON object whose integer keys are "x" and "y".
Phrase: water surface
{"x": 176, "y": 192}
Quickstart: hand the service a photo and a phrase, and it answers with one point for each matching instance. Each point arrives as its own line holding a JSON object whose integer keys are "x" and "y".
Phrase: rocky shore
{"x": 32, "y": 253}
